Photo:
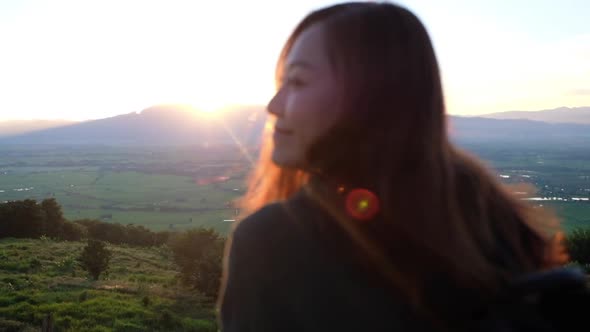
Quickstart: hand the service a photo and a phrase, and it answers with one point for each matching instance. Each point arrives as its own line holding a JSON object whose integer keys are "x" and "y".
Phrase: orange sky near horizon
{"x": 78, "y": 60}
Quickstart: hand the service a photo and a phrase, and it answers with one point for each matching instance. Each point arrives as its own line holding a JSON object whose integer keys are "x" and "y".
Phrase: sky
{"x": 81, "y": 59}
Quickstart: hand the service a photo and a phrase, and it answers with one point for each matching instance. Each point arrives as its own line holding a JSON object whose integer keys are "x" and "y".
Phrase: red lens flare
{"x": 362, "y": 204}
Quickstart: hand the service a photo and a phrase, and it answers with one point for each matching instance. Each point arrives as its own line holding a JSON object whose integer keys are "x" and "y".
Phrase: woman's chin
{"x": 284, "y": 161}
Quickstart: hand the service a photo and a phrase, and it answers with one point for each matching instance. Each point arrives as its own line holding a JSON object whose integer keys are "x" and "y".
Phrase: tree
{"x": 53, "y": 217}
{"x": 71, "y": 231}
{"x": 21, "y": 219}
{"x": 95, "y": 258}
{"x": 198, "y": 253}
{"x": 161, "y": 237}
{"x": 109, "y": 232}
{"x": 138, "y": 235}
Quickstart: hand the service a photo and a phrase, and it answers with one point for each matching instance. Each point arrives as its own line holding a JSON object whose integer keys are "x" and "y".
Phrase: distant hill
{"x": 482, "y": 130}
{"x": 158, "y": 125}
{"x": 16, "y": 127}
{"x": 580, "y": 115}
{"x": 176, "y": 126}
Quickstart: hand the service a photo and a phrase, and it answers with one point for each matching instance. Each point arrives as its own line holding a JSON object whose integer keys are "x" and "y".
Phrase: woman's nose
{"x": 275, "y": 105}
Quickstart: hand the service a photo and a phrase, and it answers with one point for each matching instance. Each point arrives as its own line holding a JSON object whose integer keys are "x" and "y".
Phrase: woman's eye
{"x": 295, "y": 82}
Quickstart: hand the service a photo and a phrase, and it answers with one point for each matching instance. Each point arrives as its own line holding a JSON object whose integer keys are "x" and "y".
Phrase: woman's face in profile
{"x": 306, "y": 103}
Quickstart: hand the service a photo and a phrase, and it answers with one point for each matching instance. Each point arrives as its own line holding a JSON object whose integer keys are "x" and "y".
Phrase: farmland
{"x": 179, "y": 188}
{"x": 157, "y": 188}
{"x": 561, "y": 175}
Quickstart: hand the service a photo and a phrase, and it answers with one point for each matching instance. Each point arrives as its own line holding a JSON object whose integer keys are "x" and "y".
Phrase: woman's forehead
{"x": 308, "y": 50}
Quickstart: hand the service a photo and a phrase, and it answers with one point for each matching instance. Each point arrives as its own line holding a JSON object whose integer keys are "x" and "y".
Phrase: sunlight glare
{"x": 208, "y": 107}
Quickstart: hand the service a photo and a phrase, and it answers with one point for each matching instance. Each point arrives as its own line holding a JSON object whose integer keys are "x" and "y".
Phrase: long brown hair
{"x": 442, "y": 212}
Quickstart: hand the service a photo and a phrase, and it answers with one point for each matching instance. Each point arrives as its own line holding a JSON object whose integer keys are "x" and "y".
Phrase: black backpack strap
{"x": 549, "y": 301}
{"x": 560, "y": 279}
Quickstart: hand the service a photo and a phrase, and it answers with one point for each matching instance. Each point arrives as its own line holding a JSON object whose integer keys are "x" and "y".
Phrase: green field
{"x": 573, "y": 215}
{"x": 129, "y": 186}
{"x": 557, "y": 172}
{"x": 154, "y": 200}
{"x": 140, "y": 293}
{"x": 170, "y": 188}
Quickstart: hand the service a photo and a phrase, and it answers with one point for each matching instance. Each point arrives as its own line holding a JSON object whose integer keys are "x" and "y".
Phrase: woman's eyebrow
{"x": 299, "y": 63}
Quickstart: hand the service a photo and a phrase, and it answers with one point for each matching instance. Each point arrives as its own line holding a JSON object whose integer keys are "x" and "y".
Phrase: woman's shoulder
{"x": 268, "y": 238}
{"x": 274, "y": 221}
{"x": 261, "y": 223}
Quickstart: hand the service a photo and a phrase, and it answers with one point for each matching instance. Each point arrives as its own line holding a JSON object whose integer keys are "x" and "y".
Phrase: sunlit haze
{"x": 94, "y": 59}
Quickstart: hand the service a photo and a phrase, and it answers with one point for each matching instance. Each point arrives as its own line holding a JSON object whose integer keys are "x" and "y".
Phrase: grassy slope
{"x": 38, "y": 277}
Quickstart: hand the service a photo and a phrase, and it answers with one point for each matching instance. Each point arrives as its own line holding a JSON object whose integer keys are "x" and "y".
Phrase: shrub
{"x": 18, "y": 266}
{"x": 198, "y": 325}
{"x": 145, "y": 301}
{"x": 66, "y": 265}
{"x": 125, "y": 326}
{"x": 578, "y": 244}
{"x": 35, "y": 265}
{"x": 11, "y": 325}
{"x": 95, "y": 258}
{"x": 167, "y": 320}
{"x": 64, "y": 323}
{"x": 198, "y": 253}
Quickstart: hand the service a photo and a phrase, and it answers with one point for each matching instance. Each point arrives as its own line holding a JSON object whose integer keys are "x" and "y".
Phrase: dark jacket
{"x": 287, "y": 272}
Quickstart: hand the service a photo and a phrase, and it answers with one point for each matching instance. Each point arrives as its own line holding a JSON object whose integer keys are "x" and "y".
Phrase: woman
{"x": 362, "y": 214}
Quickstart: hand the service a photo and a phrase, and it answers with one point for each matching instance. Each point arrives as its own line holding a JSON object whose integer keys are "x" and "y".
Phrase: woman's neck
{"x": 323, "y": 182}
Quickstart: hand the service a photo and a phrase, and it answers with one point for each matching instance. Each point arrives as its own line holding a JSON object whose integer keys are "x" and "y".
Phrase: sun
{"x": 209, "y": 107}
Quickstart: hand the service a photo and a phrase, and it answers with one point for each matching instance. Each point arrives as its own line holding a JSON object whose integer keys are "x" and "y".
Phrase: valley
{"x": 175, "y": 188}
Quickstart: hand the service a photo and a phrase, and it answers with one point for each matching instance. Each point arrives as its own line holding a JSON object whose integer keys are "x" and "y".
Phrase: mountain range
{"x": 580, "y": 115}
{"x": 15, "y": 127}
{"x": 167, "y": 125}
{"x": 158, "y": 125}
